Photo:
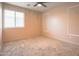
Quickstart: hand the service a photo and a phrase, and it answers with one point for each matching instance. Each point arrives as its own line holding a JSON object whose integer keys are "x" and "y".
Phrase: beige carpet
{"x": 40, "y": 46}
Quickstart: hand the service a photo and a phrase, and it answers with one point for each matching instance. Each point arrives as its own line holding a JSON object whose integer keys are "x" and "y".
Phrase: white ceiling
{"x": 29, "y": 5}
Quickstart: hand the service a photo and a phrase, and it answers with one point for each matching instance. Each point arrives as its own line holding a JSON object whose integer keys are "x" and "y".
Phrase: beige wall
{"x": 55, "y": 23}
{"x": 60, "y": 21}
{"x": 32, "y": 28}
{"x": 74, "y": 24}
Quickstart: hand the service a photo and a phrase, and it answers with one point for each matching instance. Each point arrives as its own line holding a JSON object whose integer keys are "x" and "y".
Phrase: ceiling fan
{"x": 40, "y": 4}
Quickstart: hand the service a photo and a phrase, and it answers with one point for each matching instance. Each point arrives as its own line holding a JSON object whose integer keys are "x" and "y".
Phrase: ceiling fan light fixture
{"x": 39, "y": 5}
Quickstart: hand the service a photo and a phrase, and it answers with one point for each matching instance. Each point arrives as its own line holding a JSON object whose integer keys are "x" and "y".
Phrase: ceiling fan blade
{"x": 35, "y": 5}
{"x": 43, "y": 5}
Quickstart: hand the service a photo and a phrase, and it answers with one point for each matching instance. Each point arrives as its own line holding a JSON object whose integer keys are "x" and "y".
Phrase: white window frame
{"x": 15, "y": 19}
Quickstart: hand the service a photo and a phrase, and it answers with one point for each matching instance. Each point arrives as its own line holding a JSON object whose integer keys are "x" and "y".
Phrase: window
{"x": 9, "y": 19}
{"x": 13, "y": 19}
{"x": 19, "y": 19}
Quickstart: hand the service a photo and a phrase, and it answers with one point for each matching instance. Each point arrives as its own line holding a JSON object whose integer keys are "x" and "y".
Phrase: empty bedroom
{"x": 39, "y": 28}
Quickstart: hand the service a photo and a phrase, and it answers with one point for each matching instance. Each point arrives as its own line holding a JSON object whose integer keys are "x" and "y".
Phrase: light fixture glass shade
{"x": 39, "y": 5}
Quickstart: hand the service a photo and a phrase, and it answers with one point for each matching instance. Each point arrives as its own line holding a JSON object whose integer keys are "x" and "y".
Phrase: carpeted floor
{"x": 40, "y": 46}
